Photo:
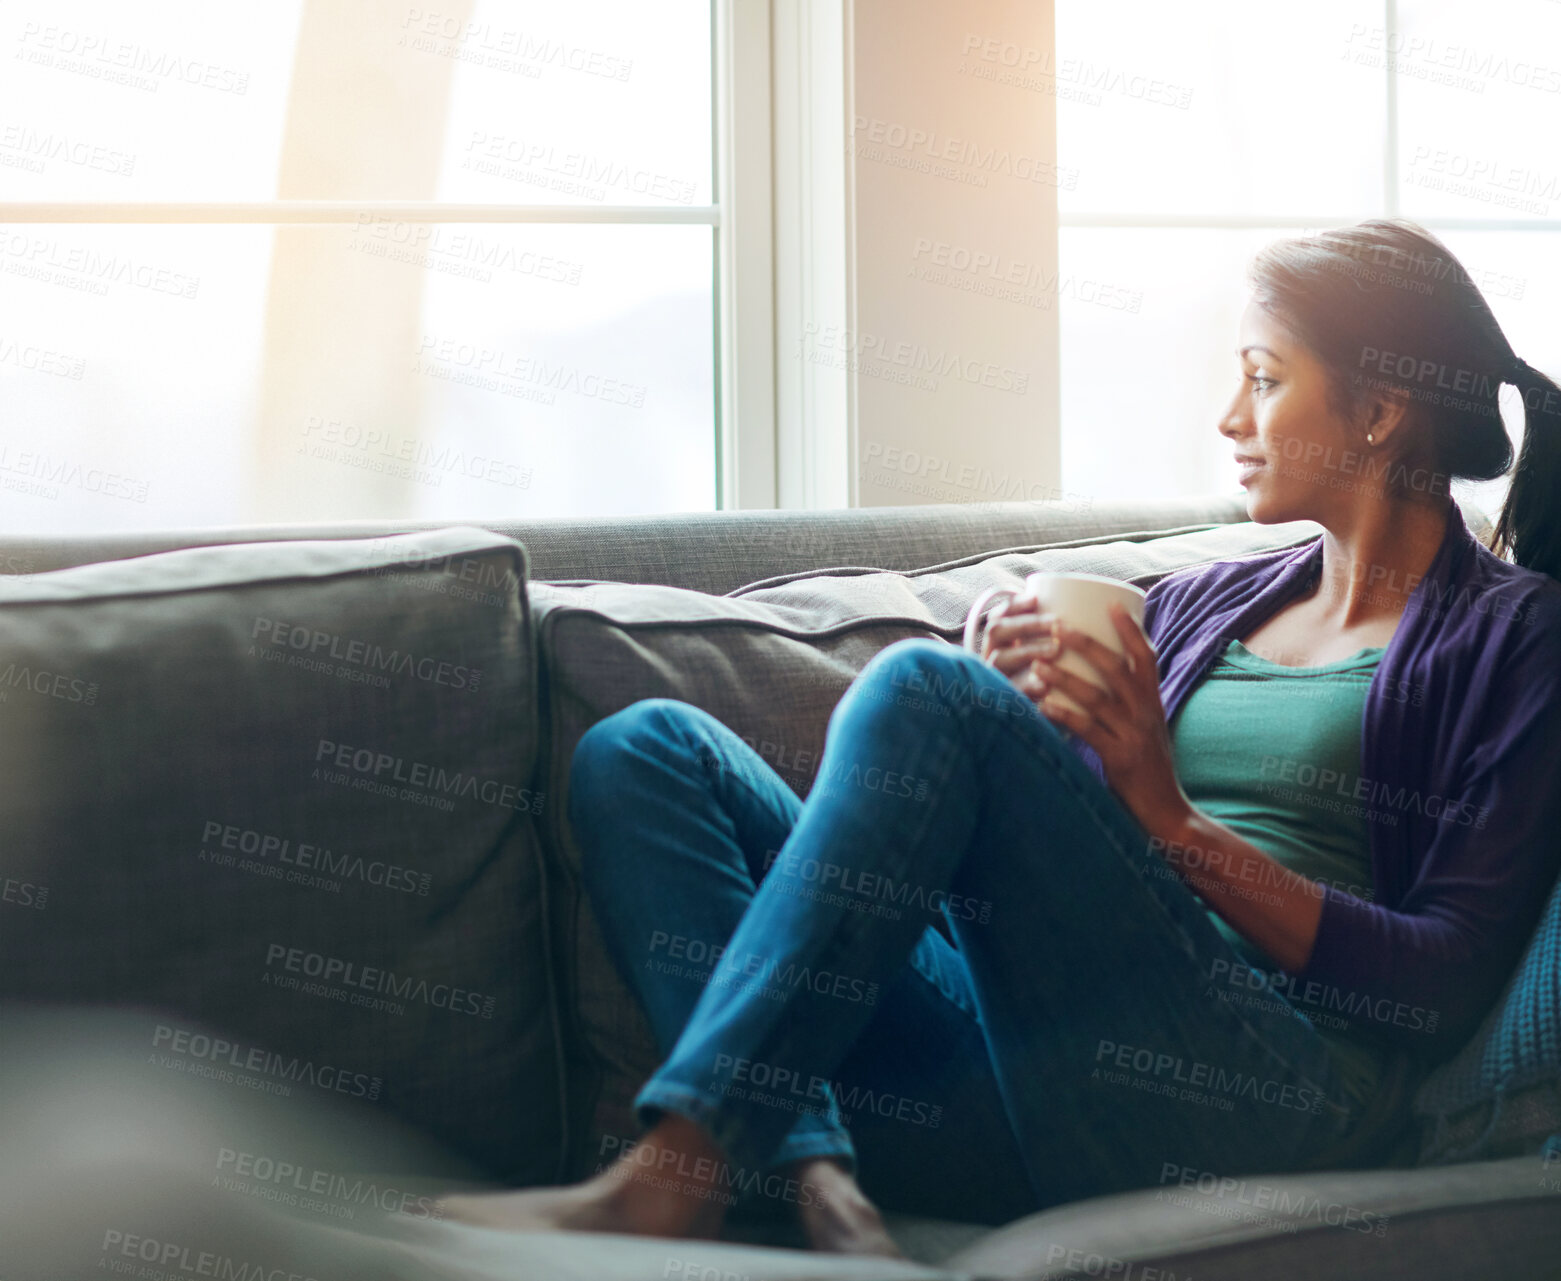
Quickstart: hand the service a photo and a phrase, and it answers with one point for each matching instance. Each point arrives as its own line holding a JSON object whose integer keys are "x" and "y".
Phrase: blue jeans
{"x": 1071, "y": 1041}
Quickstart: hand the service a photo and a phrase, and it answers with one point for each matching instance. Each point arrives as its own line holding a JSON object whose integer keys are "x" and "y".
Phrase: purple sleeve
{"x": 1423, "y": 973}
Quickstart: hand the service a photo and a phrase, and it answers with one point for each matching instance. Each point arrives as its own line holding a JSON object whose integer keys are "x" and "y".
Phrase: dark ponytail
{"x": 1386, "y": 306}
{"x": 1529, "y": 530}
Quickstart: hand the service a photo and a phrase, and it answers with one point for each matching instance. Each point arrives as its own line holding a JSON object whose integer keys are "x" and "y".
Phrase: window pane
{"x": 1142, "y": 391}
{"x": 157, "y": 376}
{"x": 590, "y": 102}
{"x": 106, "y": 100}
{"x": 510, "y": 101}
{"x": 1519, "y": 272}
{"x": 1479, "y": 108}
{"x": 1212, "y": 106}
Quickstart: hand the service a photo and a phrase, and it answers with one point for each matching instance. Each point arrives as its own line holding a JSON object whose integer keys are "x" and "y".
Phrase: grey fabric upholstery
{"x": 707, "y": 552}
{"x": 1496, "y": 1219}
{"x": 769, "y": 661}
{"x": 72, "y": 1205}
{"x": 323, "y": 857}
{"x": 206, "y": 720}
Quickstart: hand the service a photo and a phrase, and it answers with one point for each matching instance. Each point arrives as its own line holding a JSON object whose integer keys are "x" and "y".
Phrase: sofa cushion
{"x": 277, "y": 797}
{"x": 770, "y": 661}
{"x": 154, "y": 1185}
{"x": 1501, "y": 1093}
{"x": 1489, "y": 1219}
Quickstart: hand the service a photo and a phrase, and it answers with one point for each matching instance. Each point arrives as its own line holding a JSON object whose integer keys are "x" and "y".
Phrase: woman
{"x": 1278, "y": 866}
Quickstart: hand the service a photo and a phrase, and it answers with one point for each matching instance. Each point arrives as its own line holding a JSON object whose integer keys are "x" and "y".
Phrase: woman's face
{"x": 1299, "y": 460}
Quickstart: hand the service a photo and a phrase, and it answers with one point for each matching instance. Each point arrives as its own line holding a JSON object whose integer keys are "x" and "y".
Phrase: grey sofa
{"x": 287, "y": 810}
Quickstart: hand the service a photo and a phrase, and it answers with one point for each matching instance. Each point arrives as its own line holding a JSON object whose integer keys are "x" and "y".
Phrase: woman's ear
{"x": 1385, "y": 412}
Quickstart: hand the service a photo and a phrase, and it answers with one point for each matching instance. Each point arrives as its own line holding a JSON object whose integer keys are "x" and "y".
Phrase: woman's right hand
{"x": 1015, "y": 639}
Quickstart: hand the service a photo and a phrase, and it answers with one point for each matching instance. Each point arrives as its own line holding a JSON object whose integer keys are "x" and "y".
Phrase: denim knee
{"x": 929, "y": 675}
{"x": 596, "y": 768}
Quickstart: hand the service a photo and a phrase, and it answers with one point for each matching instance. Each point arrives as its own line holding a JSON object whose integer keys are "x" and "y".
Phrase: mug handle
{"x": 973, "y": 618}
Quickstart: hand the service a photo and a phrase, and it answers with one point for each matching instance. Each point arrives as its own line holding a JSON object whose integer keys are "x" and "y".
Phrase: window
{"x": 310, "y": 260}
{"x": 1200, "y": 132}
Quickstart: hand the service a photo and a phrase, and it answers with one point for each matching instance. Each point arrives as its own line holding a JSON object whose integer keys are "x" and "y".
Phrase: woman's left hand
{"x": 1124, "y": 723}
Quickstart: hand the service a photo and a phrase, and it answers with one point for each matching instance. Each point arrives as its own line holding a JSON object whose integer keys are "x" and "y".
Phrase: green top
{"x": 1274, "y": 753}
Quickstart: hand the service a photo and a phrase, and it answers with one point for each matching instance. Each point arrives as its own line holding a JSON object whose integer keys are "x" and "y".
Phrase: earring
{"x": 1370, "y": 439}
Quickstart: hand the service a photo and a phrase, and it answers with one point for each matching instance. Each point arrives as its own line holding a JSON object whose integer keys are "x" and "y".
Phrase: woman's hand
{"x": 1014, "y": 640}
{"x": 1124, "y": 722}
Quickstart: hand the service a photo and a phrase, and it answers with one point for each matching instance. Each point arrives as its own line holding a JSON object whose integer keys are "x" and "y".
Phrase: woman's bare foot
{"x": 836, "y": 1214}
{"x": 667, "y": 1185}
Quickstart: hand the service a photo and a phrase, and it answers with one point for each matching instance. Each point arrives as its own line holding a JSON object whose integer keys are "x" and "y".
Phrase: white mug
{"x": 1081, "y": 601}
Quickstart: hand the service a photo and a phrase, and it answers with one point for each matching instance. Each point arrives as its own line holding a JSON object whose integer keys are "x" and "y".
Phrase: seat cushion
{"x": 1486, "y": 1219}
{"x": 770, "y": 661}
{"x": 150, "y": 1193}
{"x": 1501, "y": 1093}
{"x": 278, "y": 799}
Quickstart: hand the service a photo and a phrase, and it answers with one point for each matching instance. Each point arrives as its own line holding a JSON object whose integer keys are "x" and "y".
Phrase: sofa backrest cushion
{"x": 770, "y": 661}
{"x": 706, "y": 551}
{"x": 276, "y": 797}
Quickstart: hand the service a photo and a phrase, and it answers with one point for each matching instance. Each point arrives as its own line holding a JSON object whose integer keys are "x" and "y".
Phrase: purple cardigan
{"x": 1460, "y": 761}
